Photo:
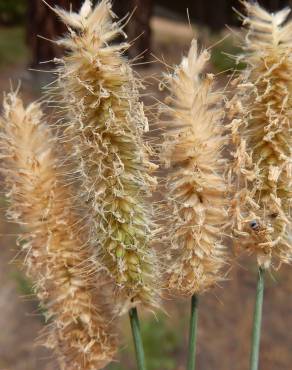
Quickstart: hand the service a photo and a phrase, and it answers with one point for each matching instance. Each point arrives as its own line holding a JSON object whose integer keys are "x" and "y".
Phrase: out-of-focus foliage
{"x": 24, "y": 285}
{"x": 161, "y": 344}
{"x": 223, "y": 56}
{"x": 12, "y": 46}
{"x": 12, "y": 11}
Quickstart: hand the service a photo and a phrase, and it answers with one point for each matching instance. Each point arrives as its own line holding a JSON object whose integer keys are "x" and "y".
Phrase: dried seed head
{"x": 261, "y": 134}
{"x": 105, "y": 122}
{"x": 58, "y": 257}
{"x": 195, "y": 183}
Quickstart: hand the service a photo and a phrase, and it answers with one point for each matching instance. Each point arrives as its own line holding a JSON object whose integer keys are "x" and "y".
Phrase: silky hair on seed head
{"x": 195, "y": 185}
{"x": 104, "y": 124}
{"x": 58, "y": 257}
{"x": 261, "y": 137}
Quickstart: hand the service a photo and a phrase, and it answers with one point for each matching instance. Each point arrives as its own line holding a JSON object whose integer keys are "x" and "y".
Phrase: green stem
{"x": 136, "y": 332}
{"x": 257, "y": 321}
{"x": 193, "y": 333}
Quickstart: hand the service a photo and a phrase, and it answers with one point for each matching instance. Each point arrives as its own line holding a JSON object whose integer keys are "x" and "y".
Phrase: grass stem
{"x": 193, "y": 333}
{"x": 137, "y": 338}
{"x": 257, "y": 321}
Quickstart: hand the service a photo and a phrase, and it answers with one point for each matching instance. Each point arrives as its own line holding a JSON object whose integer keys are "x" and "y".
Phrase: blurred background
{"x": 163, "y": 33}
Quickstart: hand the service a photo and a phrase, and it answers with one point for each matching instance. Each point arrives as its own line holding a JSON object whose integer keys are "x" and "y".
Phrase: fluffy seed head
{"x": 105, "y": 123}
{"x": 195, "y": 184}
{"x": 261, "y": 134}
{"x": 58, "y": 257}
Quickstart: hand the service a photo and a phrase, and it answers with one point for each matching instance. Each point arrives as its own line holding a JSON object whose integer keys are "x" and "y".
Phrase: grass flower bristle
{"x": 105, "y": 123}
{"x": 195, "y": 185}
{"x": 58, "y": 257}
{"x": 261, "y": 135}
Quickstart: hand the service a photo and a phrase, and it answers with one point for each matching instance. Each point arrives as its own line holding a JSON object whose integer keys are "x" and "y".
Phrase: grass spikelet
{"x": 195, "y": 184}
{"x": 105, "y": 123}
{"x": 261, "y": 134}
{"x": 58, "y": 257}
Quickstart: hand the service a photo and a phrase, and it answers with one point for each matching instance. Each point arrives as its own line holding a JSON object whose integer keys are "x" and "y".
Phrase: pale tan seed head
{"x": 105, "y": 123}
{"x": 195, "y": 185}
{"x": 261, "y": 134}
{"x": 58, "y": 259}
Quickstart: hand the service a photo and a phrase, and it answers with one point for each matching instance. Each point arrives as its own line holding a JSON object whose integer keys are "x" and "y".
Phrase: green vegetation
{"x": 12, "y": 46}
{"x": 161, "y": 344}
{"x": 12, "y": 12}
{"x": 160, "y": 348}
{"x": 223, "y": 56}
{"x": 24, "y": 285}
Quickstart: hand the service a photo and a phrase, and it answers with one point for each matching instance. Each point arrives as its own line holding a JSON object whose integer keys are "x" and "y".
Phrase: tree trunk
{"x": 42, "y": 21}
{"x": 138, "y": 29}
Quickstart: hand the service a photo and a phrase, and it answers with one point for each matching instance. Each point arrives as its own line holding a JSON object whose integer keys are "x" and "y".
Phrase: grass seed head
{"x": 58, "y": 257}
{"x": 195, "y": 184}
{"x": 261, "y": 135}
{"x": 105, "y": 123}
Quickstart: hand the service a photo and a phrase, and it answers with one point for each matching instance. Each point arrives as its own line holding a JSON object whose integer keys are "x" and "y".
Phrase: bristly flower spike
{"x": 58, "y": 259}
{"x": 105, "y": 123}
{"x": 261, "y": 136}
{"x": 195, "y": 185}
